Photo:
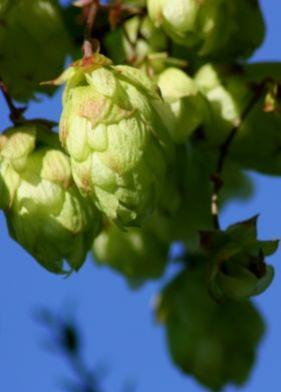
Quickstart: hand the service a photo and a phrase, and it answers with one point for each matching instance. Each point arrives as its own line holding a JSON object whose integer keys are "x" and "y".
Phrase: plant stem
{"x": 16, "y": 113}
{"x": 224, "y": 151}
{"x": 91, "y": 13}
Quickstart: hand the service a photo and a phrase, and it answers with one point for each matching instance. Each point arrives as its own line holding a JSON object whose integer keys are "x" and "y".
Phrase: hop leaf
{"x": 215, "y": 343}
{"x": 237, "y": 261}
{"x": 6, "y": 5}
{"x": 115, "y": 127}
{"x": 30, "y": 27}
{"x": 45, "y": 212}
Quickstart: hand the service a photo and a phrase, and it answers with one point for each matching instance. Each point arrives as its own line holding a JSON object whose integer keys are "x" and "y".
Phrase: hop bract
{"x": 34, "y": 44}
{"x": 188, "y": 105}
{"x": 210, "y": 27}
{"x": 136, "y": 253}
{"x": 45, "y": 212}
{"x": 115, "y": 127}
{"x": 237, "y": 261}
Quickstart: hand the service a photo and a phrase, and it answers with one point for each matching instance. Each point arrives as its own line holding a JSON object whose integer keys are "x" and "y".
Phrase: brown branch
{"x": 90, "y": 10}
{"x": 224, "y": 151}
{"x": 16, "y": 113}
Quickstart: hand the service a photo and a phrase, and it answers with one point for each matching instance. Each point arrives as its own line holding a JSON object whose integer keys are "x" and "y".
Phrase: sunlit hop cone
{"x": 115, "y": 127}
{"x": 214, "y": 28}
{"x": 45, "y": 212}
{"x": 33, "y": 43}
{"x": 215, "y": 343}
{"x": 136, "y": 253}
{"x": 188, "y": 105}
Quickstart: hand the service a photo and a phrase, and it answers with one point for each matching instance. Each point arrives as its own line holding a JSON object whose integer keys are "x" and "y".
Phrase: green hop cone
{"x": 116, "y": 128}
{"x": 31, "y": 27}
{"x": 232, "y": 91}
{"x": 188, "y": 105}
{"x": 237, "y": 261}
{"x": 214, "y": 28}
{"x": 136, "y": 253}
{"x": 135, "y": 41}
{"x": 228, "y": 96}
{"x": 44, "y": 210}
{"x": 215, "y": 343}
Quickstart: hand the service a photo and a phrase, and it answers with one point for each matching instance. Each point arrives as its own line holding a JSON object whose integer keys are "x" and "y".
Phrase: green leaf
{"x": 214, "y": 343}
{"x": 39, "y": 54}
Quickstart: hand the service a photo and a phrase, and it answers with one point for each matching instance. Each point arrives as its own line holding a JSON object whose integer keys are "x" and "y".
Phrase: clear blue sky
{"x": 118, "y": 324}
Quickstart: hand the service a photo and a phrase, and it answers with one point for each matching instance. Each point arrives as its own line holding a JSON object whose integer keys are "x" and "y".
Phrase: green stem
{"x": 224, "y": 151}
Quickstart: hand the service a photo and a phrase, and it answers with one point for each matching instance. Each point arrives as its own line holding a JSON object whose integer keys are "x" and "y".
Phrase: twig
{"x": 90, "y": 9}
{"x": 16, "y": 113}
{"x": 223, "y": 154}
{"x": 66, "y": 339}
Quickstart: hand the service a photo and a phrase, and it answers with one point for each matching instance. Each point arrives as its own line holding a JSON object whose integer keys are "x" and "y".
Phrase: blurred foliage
{"x": 66, "y": 339}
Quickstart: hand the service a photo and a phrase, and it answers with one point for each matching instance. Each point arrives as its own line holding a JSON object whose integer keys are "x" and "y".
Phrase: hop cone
{"x": 232, "y": 91}
{"x": 137, "y": 39}
{"x": 45, "y": 212}
{"x": 237, "y": 261}
{"x": 216, "y": 343}
{"x": 137, "y": 253}
{"x": 31, "y": 27}
{"x": 188, "y": 105}
{"x": 213, "y": 28}
{"x": 115, "y": 128}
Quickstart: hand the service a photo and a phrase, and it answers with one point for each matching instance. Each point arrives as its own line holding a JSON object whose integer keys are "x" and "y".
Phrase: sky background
{"x": 118, "y": 324}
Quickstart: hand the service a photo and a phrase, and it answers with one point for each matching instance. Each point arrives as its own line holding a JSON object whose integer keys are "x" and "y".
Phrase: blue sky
{"x": 118, "y": 323}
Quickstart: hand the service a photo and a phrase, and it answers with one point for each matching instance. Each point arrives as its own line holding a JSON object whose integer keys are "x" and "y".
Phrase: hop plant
{"x": 44, "y": 210}
{"x": 147, "y": 156}
{"x": 28, "y": 27}
{"x": 136, "y": 253}
{"x": 210, "y": 27}
{"x": 116, "y": 128}
{"x": 215, "y": 343}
